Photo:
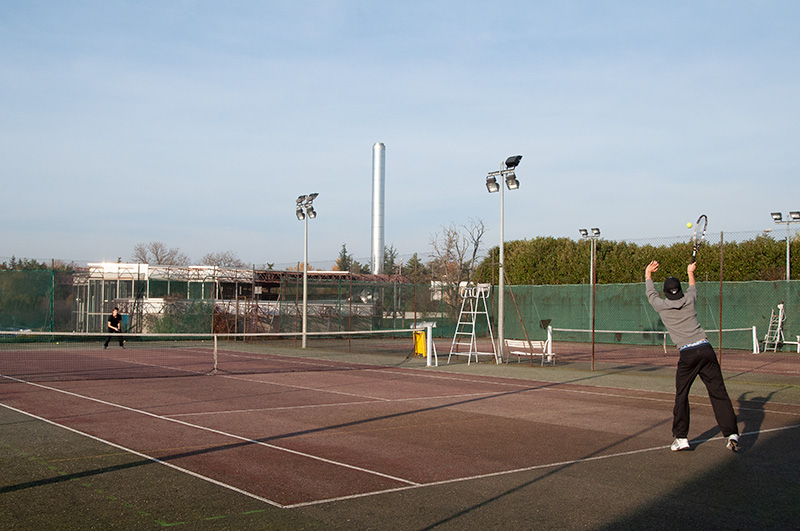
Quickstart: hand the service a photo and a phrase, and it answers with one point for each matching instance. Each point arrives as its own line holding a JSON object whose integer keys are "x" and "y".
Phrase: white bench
{"x": 795, "y": 343}
{"x": 522, "y": 347}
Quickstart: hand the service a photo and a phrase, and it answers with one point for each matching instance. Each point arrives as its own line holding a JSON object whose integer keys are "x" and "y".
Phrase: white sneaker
{"x": 733, "y": 443}
{"x": 679, "y": 444}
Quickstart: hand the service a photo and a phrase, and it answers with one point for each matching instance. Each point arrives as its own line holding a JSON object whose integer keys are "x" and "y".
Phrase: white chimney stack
{"x": 378, "y": 183}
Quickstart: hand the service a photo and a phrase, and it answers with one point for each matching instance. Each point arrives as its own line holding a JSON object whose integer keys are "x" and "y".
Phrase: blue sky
{"x": 198, "y": 123}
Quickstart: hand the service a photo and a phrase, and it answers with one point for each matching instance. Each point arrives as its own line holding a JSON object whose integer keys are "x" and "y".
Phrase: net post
{"x": 755, "y": 341}
{"x": 216, "y": 365}
{"x": 428, "y": 347}
{"x": 549, "y": 339}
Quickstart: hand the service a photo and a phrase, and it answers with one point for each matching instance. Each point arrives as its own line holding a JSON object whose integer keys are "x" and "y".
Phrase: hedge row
{"x": 547, "y": 260}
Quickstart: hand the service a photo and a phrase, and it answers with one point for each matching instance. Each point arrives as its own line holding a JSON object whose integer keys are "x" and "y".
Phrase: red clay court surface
{"x": 297, "y": 438}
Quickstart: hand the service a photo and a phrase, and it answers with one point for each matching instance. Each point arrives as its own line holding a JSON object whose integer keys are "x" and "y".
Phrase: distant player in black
{"x": 114, "y": 326}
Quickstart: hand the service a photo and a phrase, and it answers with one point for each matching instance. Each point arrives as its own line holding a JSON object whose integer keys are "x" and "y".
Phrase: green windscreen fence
{"x": 63, "y": 301}
{"x": 35, "y": 300}
{"x": 623, "y": 311}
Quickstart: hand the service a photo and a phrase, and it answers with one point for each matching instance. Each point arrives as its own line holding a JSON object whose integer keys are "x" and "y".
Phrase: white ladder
{"x": 472, "y": 305}
{"x": 775, "y": 332}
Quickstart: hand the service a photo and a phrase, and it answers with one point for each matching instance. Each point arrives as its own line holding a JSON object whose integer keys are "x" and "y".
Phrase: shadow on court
{"x": 531, "y": 484}
{"x": 750, "y": 417}
{"x": 710, "y": 486}
{"x": 758, "y": 488}
{"x": 278, "y": 438}
{"x": 267, "y": 440}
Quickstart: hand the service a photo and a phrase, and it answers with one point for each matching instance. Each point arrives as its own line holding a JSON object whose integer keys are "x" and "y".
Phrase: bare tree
{"x": 474, "y": 233}
{"x": 158, "y": 253}
{"x": 223, "y": 259}
{"x": 453, "y": 258}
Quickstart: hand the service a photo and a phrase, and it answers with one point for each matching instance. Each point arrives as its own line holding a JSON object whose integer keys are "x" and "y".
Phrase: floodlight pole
{"x": 304, "y": 341}
{"x": 593, "y": 236}
{"x": 501, "y": 270}
{"x": 506, "y": 174}
{"x": 788, "y": 253}
{"x": 305, "y": 210}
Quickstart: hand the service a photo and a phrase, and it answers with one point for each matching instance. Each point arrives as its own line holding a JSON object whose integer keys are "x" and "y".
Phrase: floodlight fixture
{"x": 299, "y": 214}
{"x": 513, "y": 162}
{"x": 584, "y": 233}
{"x": 301, "y": 199}
{"x": 793, "y": 217}
{"x": 311, "y": 197}
{"x": 595, "y": 231}
{"x": 311, "y": 212}
{"x": 511, "y": 181}
{"x": 491, "y": 185}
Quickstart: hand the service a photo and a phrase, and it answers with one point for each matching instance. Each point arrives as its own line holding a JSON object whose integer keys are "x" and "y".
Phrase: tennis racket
{"x": 699, "y": 227}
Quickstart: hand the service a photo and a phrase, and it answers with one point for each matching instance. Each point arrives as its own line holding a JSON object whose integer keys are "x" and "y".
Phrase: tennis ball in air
{"x": 689, "y": 225}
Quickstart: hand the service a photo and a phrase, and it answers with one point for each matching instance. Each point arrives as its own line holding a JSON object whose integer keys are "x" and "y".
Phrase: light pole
{"x": 506, "y": 173}
{"x": 794, "y": 218}
{"x": 304, "y": 211}
{"x": 595, "y": 234}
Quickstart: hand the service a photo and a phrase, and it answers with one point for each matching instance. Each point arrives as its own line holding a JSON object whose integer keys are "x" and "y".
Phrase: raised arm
{"x": 690, "y": 272}
{"x": 650, "y": 269}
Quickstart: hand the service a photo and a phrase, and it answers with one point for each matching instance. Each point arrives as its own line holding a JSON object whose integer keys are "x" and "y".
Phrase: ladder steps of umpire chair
{"x": 472, "y": 298}
{"x": 774, "y": 334}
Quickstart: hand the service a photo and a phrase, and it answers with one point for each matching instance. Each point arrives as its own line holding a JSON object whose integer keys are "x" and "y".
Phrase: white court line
{"x": 542, "y": 385}
{"x": 219, "y": 432}
{"x": 519, "y": 470}
{"x": 302, "y": 387}
{"x": 337, "y": 404}
{"x": 527, "y": 386}
{"x": 148, "y": 457}
{"x": 410, "y": 484}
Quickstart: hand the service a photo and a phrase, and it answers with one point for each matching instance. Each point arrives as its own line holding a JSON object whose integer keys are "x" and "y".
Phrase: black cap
{"x": 672, "y": 289}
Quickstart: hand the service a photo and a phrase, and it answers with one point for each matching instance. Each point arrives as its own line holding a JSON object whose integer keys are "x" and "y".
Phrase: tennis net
{"x": 46, "y": 356}
{"x": 735, "y": 338}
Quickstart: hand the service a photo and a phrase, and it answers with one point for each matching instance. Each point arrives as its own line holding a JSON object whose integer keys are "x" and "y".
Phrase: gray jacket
{"x": 678, "y": 316}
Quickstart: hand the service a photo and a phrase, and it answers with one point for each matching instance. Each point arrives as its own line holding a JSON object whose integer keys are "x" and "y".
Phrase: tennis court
{"x": 321, "y": 442}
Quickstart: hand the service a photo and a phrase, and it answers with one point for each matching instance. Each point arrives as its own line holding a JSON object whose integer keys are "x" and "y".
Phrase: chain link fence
{"x": 235, "y": 301}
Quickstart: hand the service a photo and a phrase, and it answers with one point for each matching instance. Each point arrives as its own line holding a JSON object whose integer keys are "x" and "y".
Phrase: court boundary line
{"x": 551, "y": 385}
{"x": 524, "y": 469}
{"x": 528, "y": 385}
{"x": 409, "y": 484}
{"x": 147, "y": 457}
{"x": 383, "y": 491}
{"x": 335, "y": 404}
{"x": 220, "y": 432}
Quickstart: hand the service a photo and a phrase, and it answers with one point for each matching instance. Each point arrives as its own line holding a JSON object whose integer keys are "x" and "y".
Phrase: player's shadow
{"x": 750, "y": 417}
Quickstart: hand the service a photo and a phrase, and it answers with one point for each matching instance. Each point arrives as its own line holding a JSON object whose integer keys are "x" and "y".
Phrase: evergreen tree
{"x": 389, "y": 260}
{"x": 345, "y": 261}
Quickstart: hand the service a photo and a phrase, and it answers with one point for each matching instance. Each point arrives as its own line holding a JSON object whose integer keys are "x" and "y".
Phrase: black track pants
{"x": 694, "y": 362}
